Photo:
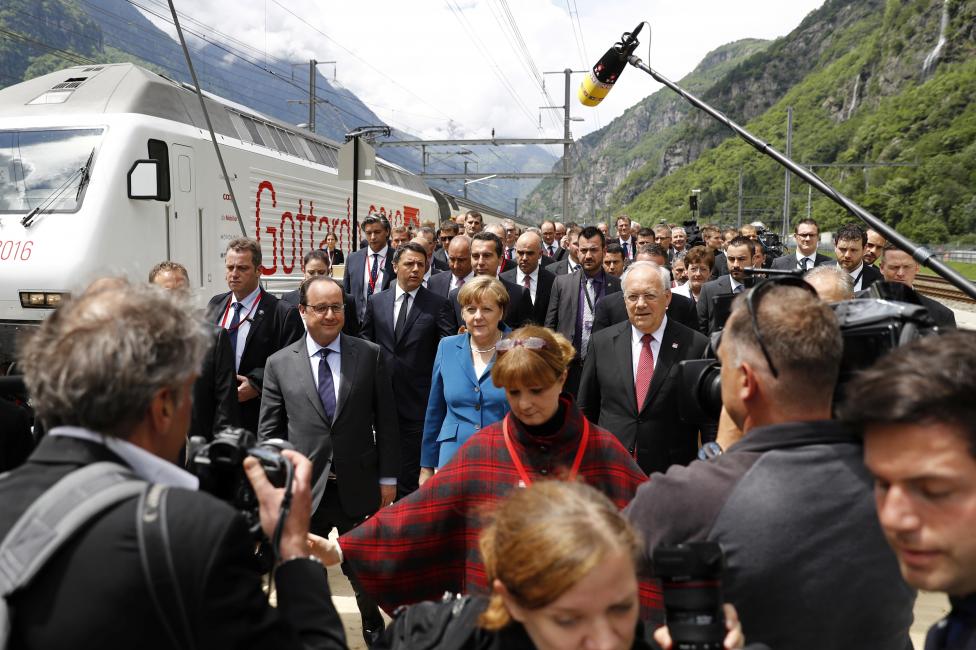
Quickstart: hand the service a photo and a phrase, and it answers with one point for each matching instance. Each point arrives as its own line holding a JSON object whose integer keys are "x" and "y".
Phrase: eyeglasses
{"x": 634, "y": 298}
{"x": 752, "y": 305}
{"x": 320, "y": 310}
{"x": 532, "y": 343}
{"x": 805, "y": 235}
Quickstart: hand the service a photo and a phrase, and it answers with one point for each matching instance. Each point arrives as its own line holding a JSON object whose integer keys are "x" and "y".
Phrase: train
{"x": 74, "y": 142}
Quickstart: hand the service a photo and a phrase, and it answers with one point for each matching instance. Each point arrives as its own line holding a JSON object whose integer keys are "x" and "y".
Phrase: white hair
{"x": 663, "y": 273}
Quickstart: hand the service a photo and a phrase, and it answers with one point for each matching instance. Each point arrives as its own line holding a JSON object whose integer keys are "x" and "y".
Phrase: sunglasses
{"x": 531, "y": 343}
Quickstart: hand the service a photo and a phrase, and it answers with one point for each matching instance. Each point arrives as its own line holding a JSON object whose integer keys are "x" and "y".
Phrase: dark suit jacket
{"x": 440, "y": 284}
{"x": 77, "y": 597}
{"x": 653, "y": 431}
{"x": 215, "y": 403}
{"x": 440, "y": 261}
{"x": 942, "y": 315}
{"x": 560, "y": 252}
{"x": 564, "y": 302}
{"x": 788, "y": 262}
{"x": 706, "y": 315}
{"x": 612, "y": 310}
{"x": 354, "y": 279}
{"x": 542, "y": 292}
{"x": 411, "y": 357}
{"x": 518, "y": 311}
{"x": 336, "y": 256}
{"x": 869, "y": 275}
{"x": 545, "y": 261}
{"x": 363, "y": 438}
{"x": 561, "y": 267}
{"x": 274, "y": 325}
{"x": 352, "y": 326}
{"x": 720, "y": 267}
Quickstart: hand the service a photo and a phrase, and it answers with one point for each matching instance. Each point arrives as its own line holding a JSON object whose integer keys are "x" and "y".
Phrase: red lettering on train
{"x": 287, "y": 268}
{"x": 266, "y": 185}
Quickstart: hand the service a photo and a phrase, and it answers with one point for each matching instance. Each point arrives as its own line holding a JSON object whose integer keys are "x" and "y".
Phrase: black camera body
{"x": 691, "y": 578}
{"x": 219, "y": 464}
{"x": 771, "y": 243}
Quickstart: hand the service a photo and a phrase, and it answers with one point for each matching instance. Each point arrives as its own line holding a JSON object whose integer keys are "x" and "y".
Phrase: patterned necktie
{"x": 235, "y": 325}
{"x": 804, "y": 264}
{"x": 326, "y": 386}
{"x": 587, "y": 317}
{"x": 373, "y": 273}
{"x": 401, "y": 320}
{"x": 645, "y": 369}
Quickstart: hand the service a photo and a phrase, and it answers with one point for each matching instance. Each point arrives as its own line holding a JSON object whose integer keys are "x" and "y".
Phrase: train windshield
{"x": 45, "y": 168}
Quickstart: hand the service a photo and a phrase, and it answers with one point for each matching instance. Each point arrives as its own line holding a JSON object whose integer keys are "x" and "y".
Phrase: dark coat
{"x": 519, "y": 308}
{"x": 354, "y": 278}
{"x": 215, "y": 404}
{"x": 561, "y": 267}
{"x": 352, "y": 325}
{"x": 561, "y": 315}
{"x": 652, "y": 431}
{"x": 410, "y": 358}
{"x": 92, "y": 593}
{"x": 706, "y": 310}
{"x": 612, "y": 310}
{"x": 440, "y": 284}
{"x": 542, "y": 292}
{"x": 274, "y": 325}
{"x": 440, "y": 261}
{"x": 291, "y": 409}
{"x": 788, "y": 262}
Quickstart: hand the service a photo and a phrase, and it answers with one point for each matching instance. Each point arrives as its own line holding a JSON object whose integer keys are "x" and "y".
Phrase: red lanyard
{"x": 223, "y": 321}
{"x": 520, "y": 468}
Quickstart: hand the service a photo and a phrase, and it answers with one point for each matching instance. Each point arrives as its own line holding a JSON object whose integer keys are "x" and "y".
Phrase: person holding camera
{"x": 111, "y": 374}
{"x": 916, "y": 410}
{"x": 791, "y": 502}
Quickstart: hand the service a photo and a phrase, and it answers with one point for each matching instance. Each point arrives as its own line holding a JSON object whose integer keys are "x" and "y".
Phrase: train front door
{"x": 185, "y": 226}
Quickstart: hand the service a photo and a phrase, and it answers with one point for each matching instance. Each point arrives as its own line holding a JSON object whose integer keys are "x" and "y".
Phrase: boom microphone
{"x": 607, "y": 70}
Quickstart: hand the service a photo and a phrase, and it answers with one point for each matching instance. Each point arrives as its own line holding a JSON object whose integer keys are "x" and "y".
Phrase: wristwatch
{"x": 709, "y": 451}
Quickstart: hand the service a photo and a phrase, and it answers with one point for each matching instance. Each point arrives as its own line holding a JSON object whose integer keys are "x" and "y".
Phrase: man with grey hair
{"x": 679, "y": 239}
{"x": 111, "y": 373}
{"x": 791, "y": 503}
{"x": 630, "y": 376}
{"x": 832, "y": 283}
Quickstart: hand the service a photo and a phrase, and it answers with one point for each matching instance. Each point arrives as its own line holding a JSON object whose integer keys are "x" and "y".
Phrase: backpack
{"x": 55, "y": 517}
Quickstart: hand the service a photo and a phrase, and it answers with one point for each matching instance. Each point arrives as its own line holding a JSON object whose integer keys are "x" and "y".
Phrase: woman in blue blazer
{"x": 463, "y": 398}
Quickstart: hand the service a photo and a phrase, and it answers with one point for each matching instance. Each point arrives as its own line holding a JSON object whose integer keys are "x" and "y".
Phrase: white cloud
{"x": 458, "y": 60}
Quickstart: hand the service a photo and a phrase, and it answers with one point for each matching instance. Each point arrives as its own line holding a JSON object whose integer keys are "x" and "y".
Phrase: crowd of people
{"x": 476, "y": 409}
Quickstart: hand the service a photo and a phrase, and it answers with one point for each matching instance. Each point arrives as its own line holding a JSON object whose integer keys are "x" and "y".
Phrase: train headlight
{"x": 42, "y": 299}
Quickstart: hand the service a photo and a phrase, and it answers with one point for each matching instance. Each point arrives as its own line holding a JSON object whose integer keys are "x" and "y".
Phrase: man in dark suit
{"x": 138, "y": 421}
{"x": 712, "y": 237}
{"x": 613, "y": 310}
{"x": 740, "y": 256}
{"x": 550, "y": 242}
{"x": 486, "y": 255}
{"x": 459, "y": 259}
{"x": 575, "y": 297}
{"x": 626, "y": 237}
{"x": 215, "y": 391}
{"x": 899, "y": 266}
{"x": 330, "y": 395}
{"x": 630, "y": 376}
{"x": 407, "y": 322}
{"x": 849, "y": 242}
{"x": 317, "y": 263}
{"x": 806, "y": 232}
{"x": 505, "y": 262}
{"x": 662, "y": 237}
{"x": 370, "y": 269}
{"x": 447, "y": 232}
{"x": 531, "y": 275}
{"x": 569, "y": 263}
{"x": 257, "y": 324}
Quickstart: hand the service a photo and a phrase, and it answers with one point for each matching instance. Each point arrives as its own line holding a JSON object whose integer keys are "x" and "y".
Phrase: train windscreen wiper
{"x": 46, "y": 204}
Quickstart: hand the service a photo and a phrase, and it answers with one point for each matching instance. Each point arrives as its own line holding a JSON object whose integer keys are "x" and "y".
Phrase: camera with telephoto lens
{"x": 691, "y": 579}
{"x": 771, "y": 243}
{"x": 219, "y": 464}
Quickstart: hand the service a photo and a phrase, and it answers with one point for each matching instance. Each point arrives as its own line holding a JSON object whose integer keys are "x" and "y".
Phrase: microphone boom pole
{"x": 921, "y": 254}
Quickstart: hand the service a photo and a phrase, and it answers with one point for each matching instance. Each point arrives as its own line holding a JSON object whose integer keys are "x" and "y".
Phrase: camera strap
{"x": 157, "y": 566}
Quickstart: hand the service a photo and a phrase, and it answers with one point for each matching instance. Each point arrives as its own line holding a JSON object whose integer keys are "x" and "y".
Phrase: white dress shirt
{"x": 629, "y": 247}
{"x": 144, "y": 464}
{"x": 430, "y": 271}
{"x": 250, "y": 304}
{"x": 800, "y": 257}
{"x": 533, "y": 281}
{"x": 381, "y": 263}
{"x": 857, "y": 275}
{"x": 635, "y": 344}
{"x": 398, "y": 301}
{"x": 735, "y": 284}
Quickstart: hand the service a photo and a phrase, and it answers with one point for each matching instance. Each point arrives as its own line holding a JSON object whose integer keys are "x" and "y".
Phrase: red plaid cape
{"x": 427, "y": 543}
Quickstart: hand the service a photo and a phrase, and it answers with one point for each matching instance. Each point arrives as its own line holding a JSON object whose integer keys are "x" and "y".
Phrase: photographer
{"x": 111, "y": 374}
{"x": 791, "y": 502}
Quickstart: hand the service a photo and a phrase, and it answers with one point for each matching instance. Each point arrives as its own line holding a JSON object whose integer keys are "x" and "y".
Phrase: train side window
{"x": 286, "y": 140}
{"x": 305, "y": 150}
{"x": 158, "y": 150}
{"x": 315, "y": 151}
{"x": 328, "y": 154}
{"x": 239, "y": 126}
{"x": 252, "y": 128}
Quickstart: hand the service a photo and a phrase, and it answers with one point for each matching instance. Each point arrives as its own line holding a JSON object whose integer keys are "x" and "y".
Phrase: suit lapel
{"x": 347, "y": 373}
{"x": 464, "y": 359}
{"x": 256, "y": 318}
{"x": 303, "y": 370}
{"x": 666, "y": 357}
{"x": 625, "y": 363}
{"x": 219, "y": 309}
{"x": 419, "y": 304}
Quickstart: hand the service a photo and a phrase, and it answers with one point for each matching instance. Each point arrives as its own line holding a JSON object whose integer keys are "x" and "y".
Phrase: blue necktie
{"x": 235, "y": 324}
{"x": 739, "y": 289}
{"x": 373, "y": 272}
{"x": 326, "y": 385}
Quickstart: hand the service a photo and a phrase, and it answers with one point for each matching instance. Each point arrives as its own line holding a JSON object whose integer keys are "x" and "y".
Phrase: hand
{"x": 245, "y": 390}
{"x": 387, "y": 495}
{"x": 425, "y": 473}
{"x": 734, "y": 639}
{"x": 324, "y": 549}
{"x": 295, "y": 532}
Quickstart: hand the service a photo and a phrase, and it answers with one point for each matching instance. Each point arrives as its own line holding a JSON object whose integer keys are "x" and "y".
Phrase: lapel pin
{"x": 674, "y": 345}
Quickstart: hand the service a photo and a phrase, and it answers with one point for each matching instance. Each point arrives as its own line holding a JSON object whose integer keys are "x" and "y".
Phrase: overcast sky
{"x": 455, "y": 68}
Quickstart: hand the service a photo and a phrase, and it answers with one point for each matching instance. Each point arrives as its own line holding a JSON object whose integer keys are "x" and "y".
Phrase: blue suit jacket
{"x": 459, "y": 403}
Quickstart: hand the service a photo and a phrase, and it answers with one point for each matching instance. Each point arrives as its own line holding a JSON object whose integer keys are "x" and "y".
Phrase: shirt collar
{"x": 144, "y": 464}
{"x": 400, "y": 292}
{"x": 858, "y": 271}
{"x": 382, "y": 252}
{"x": 735, "y": 283}
{"x": 313, "y": 347}
{"x": 800, "y": 256}
{"x": 520, "y": 276}
{"x": 657, "y": 335}
{"x": 249, "y": 299}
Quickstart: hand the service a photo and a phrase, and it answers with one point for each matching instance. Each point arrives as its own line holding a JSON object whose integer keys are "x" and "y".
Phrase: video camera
{"x": 771, "y": 243}
{"x": 693, "y": 231}
{"x": 219, "y": 464}
{"x": 870, "y": 327}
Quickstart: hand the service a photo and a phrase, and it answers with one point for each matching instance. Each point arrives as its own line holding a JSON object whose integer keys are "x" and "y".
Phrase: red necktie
{"x": 645, "y": 368}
